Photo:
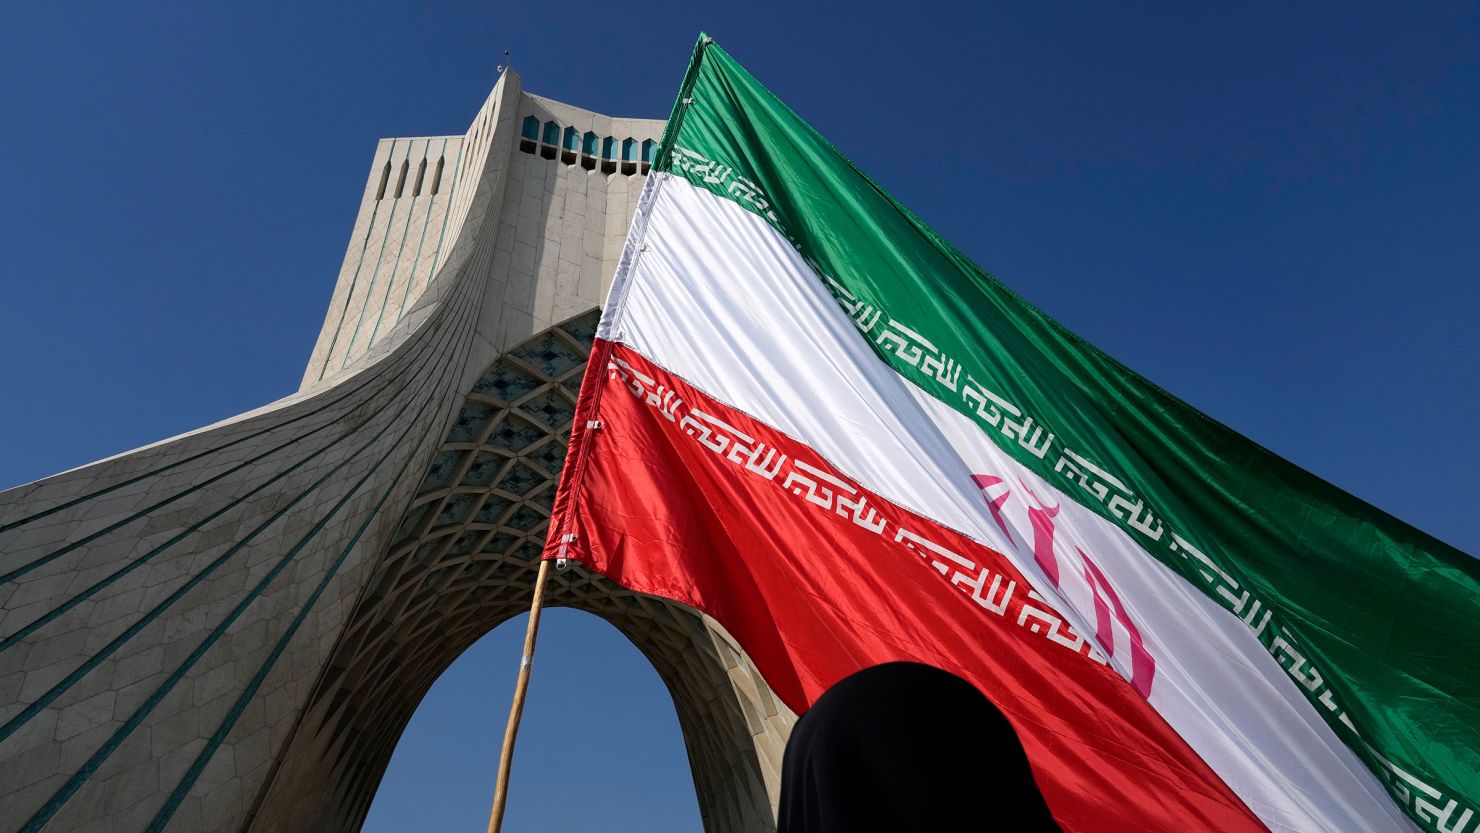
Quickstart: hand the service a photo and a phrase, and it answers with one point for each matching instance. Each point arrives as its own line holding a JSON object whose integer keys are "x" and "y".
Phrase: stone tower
{"x": 228, "y": 630}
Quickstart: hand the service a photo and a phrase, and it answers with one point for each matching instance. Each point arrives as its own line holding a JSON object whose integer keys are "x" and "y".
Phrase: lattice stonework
{"x": 464, "y": 560}
{"x": 487, "y": 495}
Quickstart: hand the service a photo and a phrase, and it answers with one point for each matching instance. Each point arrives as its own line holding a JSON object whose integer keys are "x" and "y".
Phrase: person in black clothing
{"x": 907, "y": 747}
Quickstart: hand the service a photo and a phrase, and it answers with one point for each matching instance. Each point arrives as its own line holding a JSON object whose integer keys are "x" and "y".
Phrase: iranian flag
{"x": 809, "y": 417}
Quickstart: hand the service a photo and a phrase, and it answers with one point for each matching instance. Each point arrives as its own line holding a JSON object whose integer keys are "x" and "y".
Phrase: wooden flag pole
{"x": 506, "y": 757}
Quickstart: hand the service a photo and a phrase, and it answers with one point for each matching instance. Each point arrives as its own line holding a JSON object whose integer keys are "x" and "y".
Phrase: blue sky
{"x": 1272, "y": 212}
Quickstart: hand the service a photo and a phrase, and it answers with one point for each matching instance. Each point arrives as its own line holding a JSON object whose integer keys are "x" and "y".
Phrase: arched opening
{"x": 461, "y": 559}
{"x": 598, "y": 723}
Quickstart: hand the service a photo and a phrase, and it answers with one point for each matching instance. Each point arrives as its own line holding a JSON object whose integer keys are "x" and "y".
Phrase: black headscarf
{"x": 907, "y": 747}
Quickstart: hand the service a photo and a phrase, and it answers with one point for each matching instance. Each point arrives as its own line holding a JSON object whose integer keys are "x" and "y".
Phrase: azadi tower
{"x": 228, "y": 630}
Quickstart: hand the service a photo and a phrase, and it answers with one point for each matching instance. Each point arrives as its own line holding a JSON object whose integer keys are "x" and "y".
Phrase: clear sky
{"x": 1272, "y": 212}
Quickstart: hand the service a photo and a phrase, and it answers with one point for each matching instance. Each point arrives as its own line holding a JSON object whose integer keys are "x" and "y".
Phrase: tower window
{"x": 421, "y": 173}
{"x": 437, "y": 176}
{"x": 649, "y": 150}
{"x": 570, "y": 142}
{"x": 629, "y": 156}
{"x": 590, "y": 147}
{"x": 552, "y": 133}
{"x": 531, "y": 129}
{"x": 609, "y": 155}
{"x": 401, "y": 180}
{"x": 385, "y": 178}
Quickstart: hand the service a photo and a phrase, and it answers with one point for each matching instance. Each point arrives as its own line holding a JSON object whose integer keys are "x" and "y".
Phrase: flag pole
{"x": 521, "y": 686}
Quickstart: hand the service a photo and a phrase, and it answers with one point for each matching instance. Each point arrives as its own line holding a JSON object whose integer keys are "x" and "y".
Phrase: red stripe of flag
{"x": 678, "y": 495}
